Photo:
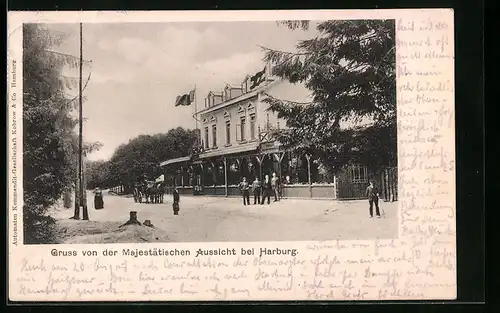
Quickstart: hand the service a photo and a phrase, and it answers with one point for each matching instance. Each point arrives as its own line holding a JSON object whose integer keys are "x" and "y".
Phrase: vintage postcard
{"x": 231, "y": 155}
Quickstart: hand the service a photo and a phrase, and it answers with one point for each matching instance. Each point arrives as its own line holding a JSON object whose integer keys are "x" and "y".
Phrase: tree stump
{"x": 133, "y": 219}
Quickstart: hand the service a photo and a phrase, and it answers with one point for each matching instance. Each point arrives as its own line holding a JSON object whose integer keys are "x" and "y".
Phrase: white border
{"x": 420, "y": 265}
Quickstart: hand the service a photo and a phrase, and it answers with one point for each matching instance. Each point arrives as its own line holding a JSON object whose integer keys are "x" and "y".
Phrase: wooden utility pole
{"x": 76, "y": 216}
{"x": 80, "y": 100}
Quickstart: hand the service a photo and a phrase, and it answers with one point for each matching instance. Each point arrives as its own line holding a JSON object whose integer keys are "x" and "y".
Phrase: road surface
{"x": 219, "y": 219}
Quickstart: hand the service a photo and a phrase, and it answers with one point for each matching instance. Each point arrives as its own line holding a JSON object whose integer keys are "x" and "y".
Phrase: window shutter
{"x": 238, "y": 132}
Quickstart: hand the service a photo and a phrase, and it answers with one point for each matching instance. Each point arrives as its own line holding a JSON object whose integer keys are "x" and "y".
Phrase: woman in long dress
{"x": 98, "y": 201}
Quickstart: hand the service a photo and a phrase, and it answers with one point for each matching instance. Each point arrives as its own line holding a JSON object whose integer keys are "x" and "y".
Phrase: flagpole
{"x": 196, "y": 114}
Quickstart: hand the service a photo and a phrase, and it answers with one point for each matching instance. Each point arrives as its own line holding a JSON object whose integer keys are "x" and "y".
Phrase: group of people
{"x": 260, "y": 190}
{"x": 265, "y": 189}
{"x": 270, "y": 186}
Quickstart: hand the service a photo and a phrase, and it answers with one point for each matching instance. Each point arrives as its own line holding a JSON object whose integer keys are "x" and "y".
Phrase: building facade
{"x": 235, "y": 136}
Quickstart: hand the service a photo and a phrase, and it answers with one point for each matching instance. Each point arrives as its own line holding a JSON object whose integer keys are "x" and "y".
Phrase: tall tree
{"x": 143, "y": 154}
{"x": 47, "y": 133}
{"x": 50, "y": 142}
{"x": 350, "y": 69}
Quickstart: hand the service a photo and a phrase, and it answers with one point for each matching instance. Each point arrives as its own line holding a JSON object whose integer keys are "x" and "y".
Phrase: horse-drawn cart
{"x": 149, "y": 192}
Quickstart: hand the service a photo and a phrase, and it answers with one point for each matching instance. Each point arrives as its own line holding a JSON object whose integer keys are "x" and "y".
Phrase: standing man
{"x": 175, "y": 205}
{"x": 275, "y": 185}
{"x": 267, "y": 188}
{"x": 372, "y": 194}
{"x": 256, "y": 189}
{"x": 245, "y": 187}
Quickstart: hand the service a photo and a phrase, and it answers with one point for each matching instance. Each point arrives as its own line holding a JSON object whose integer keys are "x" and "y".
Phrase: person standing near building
{"x": 98, "y": 201}
{"x": 175, "y": 205}
{"x": 256, "y": 189}
{"x": 245, "y": 189}
{"x": 275, "y": 186}
{"x": 267, "y": 188}
{"x": 372, "y": 194}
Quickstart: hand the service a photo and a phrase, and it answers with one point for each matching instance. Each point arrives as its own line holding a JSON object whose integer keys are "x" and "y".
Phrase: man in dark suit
{"x": 267, "y": 189}
{"x": 372, "y": 194}
{"x": 245, "y": 187}
{"x": 175, "y": 205}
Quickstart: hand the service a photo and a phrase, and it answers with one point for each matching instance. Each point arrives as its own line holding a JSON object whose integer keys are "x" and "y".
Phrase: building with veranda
{"x": 236, "y": 138}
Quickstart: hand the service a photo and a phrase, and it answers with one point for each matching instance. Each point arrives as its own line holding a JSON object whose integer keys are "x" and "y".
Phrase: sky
{"x": 138, "y": 70}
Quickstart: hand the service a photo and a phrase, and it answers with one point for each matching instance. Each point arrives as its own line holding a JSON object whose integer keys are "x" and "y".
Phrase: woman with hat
{"x": 98, "y": 201}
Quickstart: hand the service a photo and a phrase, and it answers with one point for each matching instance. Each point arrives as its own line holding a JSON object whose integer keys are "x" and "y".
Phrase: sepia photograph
{"x": 209, "y": 131}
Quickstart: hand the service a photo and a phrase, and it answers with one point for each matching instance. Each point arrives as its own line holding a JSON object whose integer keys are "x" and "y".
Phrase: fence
{"x": 389, "y": 184}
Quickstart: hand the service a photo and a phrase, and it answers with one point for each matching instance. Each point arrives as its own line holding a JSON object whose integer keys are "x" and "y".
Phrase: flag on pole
{"x": 258, "y": 78}
{"x": 185, "y": 100}
{"x": 191, "y": 95}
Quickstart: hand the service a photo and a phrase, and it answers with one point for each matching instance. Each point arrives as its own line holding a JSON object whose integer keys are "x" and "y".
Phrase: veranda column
{"x": 308, "y": 158}
{"x": 214, "y": 173}
{"x": 191, "y": 176}
{"x": 259, "y": 160}
{"x": 225, "y": 176}
{"x": 202, "y": 175}
{"x": 182, "y": 177}
{"x": 280, "y": 159}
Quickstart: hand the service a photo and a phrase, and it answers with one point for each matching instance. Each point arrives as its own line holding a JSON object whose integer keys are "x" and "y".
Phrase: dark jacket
{"x": 176, "y": 195}
{"x": 267, "y": 186}
{"x": 244, "y": 186}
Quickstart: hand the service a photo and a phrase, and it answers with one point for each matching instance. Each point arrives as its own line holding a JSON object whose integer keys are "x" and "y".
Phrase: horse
{"x": 149, "y": 191}
{"x": 160, "y": 192}
{"x": 138, "y": 193}
{"x": 153, "y": 192}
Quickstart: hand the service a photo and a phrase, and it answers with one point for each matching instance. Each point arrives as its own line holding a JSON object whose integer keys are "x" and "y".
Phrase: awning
{"x": 231, "y": 150}
{"x": 160, "y": 178}
{"x": 178, "y": 160}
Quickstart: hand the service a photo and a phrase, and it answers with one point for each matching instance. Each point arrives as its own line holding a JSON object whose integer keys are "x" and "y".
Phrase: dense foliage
{"x": 141, "y": 155}
{"x": 48, "y": 158}
{"x": 50, "y": 143}
{"x": 350, "y": 69}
